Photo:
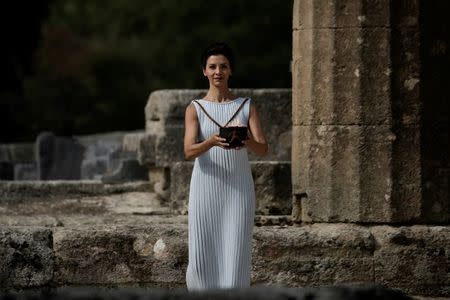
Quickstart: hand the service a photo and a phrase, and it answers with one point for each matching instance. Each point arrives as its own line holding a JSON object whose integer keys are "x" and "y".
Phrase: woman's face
{"x": 217, "y": 70}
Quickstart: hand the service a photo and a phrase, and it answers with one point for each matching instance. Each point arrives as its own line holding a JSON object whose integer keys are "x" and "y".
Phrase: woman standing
{"x": 222, "y": 196}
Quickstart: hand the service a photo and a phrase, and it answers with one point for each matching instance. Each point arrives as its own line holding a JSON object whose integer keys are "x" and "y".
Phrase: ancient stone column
{"x": 356, "y": 112}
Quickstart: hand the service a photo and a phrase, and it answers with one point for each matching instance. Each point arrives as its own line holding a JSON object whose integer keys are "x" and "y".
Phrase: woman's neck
{"x": 219, "y": 95}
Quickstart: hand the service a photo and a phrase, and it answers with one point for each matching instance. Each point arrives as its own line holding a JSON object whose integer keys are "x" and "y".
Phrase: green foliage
{"x": 99, "y": 60}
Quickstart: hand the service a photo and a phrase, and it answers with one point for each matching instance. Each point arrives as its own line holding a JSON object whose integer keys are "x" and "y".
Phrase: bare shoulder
{"x": 253, "y": 108}
{"x": 190, "y": 109}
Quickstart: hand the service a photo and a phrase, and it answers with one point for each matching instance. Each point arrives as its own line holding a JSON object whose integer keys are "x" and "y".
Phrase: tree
{"x": 99, "y": 60}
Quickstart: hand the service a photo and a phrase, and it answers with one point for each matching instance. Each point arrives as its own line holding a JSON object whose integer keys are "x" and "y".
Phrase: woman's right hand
{"x": 216, "y": 140}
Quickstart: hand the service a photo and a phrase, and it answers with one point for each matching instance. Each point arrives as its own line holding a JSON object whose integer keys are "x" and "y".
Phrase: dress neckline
{"x": 221, "y": 103}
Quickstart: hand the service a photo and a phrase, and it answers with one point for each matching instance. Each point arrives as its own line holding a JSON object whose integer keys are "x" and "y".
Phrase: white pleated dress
{"x": 221, "y": 207}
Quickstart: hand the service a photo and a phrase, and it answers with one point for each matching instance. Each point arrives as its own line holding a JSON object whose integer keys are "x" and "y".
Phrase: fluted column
{"x": 356, "y": 111}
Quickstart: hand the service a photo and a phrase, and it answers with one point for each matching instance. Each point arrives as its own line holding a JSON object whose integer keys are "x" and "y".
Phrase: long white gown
{"x": 221, "y": 207}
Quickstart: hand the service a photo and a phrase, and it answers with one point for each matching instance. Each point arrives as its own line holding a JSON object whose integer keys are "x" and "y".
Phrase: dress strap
{"x": 237, "y": 111}
{"x": 206, "y": 113}
{"x": 214, "y": 121}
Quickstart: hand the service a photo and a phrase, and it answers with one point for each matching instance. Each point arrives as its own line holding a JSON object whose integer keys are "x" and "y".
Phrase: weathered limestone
{"x": 346, "y": 171}
{"x": 414, "y": 259}
{"x": 120, "y": 256}
{"x": 318, "y": 254}
{"x": 180, "y": 175}
{"x": 131, "y": 141}
{"x": 128, "y": 170}
{"x": 26, "y": 256}
{"x": 58, "y": 157}
{"x": 124, "y": 235}
{"x": 356, "y": 118}
{"x": 272, "y": 187}
{"x": 127, "y": 167}
{"x": 47, "y": 190}
{"x": 105, "y": 152}
{"x": 334, "y": 14}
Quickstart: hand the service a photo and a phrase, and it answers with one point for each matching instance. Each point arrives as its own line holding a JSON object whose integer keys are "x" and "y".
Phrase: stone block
{"x": 147, "y": 150}
{"x": 162, "y": 150}
{"x": 414, "y": 259}
{"x": 131, "y": 141}
{"x": 272, "y": 187}
{"x": 180, "y": 179}
{"x": 275, "y": 112}
{"x": 363, "y": 73}
{"x": 406, "y": 199}
{"x": 94, "y": 169}
{"x": 160, "y": 179}
{"x": 167, "y": 107}
{"x": 159, "y": 175}
{"x": 128, "y": 170}
{"x": 407, "y": 75}
{"x": 105, "y": 152}
{"x": 157, "y": 254}
{"x": 320, "y": 254}
{"x": 102, "y": 144}
{"x": 117, "y": 157}
{"x": 357, "y": 173}
{"x": 341, "y": 76}
{"x": 273, "y": 220}
{"x": 58, "y": 157}
{"x": 25, "y": 171}
{"x": 169, "y": 148}
{"x": 26, "y": 257}
{"x": 340, "y": 13}
{"x": 60, "y": 189}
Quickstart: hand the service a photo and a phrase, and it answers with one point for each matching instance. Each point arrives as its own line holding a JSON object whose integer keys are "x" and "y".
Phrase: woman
{"x": 221, "y": 197}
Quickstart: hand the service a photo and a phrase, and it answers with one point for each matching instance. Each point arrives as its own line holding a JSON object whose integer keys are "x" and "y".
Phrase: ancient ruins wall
{"x": 357, "y": 117}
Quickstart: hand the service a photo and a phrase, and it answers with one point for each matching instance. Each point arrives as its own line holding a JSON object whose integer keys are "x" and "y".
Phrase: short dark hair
{"x": 217, "y": 48}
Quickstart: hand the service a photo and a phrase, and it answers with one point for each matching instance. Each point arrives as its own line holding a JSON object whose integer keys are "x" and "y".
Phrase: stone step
{"x": 277, "y": 220}
{"x": 414, "y": 259}
{"x": 59, "y": 189}
{"x": 82, "y": 206}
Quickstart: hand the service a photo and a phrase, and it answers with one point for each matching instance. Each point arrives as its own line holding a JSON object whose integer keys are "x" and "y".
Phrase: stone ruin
{"x": 90, "y": 157}
{"x": 161, "y": 149}
{"x": 156, "y": 155}
{"x": 355, "y": 190}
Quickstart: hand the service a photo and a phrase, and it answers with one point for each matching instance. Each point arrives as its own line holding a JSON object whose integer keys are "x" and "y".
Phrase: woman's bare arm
{"x": 257, "y": 141}
{"x": 192, "y": 149}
